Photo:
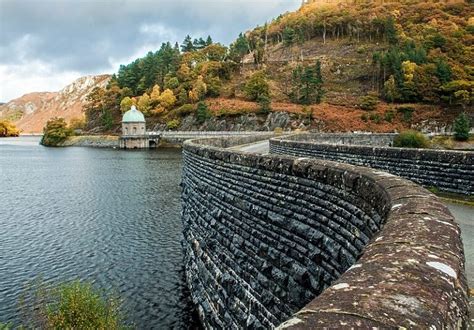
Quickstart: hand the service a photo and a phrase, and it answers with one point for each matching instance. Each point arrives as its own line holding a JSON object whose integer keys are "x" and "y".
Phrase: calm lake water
{"x": 107, "y": 216}
{"x": 110, "y": 217}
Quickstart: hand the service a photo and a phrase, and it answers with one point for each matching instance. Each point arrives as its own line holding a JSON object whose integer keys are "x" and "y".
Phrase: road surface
{"x": 259, "y": 147}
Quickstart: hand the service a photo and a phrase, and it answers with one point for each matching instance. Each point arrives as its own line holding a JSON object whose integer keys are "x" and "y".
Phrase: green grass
{"x": 72, "y": 305}
{"x": 452, "y": 197}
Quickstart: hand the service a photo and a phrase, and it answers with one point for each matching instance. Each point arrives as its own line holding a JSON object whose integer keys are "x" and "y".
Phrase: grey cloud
{"x": 82, "y": 35}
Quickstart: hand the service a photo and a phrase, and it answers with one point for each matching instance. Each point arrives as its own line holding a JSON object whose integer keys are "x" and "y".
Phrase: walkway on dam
{"x": 465, "y": 218}
{"x": 260, "y": 147}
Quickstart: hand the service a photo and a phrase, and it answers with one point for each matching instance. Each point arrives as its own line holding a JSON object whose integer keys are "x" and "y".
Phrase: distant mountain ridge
{"x": 30, "y": 112}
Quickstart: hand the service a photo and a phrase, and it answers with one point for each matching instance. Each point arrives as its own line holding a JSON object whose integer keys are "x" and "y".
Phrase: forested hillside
{"x": 350, "y": 67}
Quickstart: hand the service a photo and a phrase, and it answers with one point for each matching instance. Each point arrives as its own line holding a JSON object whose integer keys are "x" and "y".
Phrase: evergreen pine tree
{"x": 209, "y": 41}
{"x": 307, "y": 84}
{"x": 461, "y": 127}
{"x": 199, "y": 43}
{"x": 318, "y": 83}
{"x": 239, "y": 48}
{"x": 202, "y": 113}
{"x": 187, "y": 45}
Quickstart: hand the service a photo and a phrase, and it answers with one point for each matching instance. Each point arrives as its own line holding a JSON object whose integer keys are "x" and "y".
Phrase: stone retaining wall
{"x": 95, "y": 141}
{"x": 177, "y": 138}
{"x": 449, "y": 171}
{"x": 362, "y": 139}
{"x": 265, "y": 235}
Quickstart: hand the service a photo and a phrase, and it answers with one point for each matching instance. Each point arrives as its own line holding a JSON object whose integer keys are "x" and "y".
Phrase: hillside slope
{"x": 363, "y": 66}
{"x": 30, "y": 112}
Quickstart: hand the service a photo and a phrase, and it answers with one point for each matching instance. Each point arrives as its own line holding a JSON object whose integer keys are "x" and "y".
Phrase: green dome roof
{"x": 133, "y": 116}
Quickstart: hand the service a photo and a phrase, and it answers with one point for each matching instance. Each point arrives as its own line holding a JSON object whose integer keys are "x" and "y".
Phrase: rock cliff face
{"x": 30, "y": 112}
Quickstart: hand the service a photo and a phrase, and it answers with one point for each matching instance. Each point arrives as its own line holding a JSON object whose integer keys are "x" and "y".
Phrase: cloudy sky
{"x": 46, "y": 44}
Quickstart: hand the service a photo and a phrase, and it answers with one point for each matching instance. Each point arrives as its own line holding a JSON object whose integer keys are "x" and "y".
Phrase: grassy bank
{"x": 454, "y": 198}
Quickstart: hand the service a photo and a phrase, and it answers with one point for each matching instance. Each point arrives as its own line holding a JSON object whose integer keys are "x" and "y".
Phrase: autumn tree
{"x": 184, "y": 73}
{"x": 215, "y": 52}
{"x": 144, "y": 104}
{"x": 199, "y": 90}
{"x": 8, "y": 129}
{"x": 167, "y": 99}
{"x": 55, "y": 132}
{"x": 408, "y": 87}
{"x": 155, "y": 96}
{"x": 126, "y": 104}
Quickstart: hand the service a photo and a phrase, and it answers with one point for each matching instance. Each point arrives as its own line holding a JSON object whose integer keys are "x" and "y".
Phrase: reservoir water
{"x": 106, "y": 216}
{"x": 109, "y": 217}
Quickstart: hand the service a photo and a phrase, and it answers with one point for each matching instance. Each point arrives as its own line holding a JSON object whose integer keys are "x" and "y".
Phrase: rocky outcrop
{"x": 31, "y": 111}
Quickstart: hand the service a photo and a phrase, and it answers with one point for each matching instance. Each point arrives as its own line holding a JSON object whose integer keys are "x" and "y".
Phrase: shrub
{"x": 388, "y": 116}
{"x": 265, "y": 105}
{"x": 407, "y": 113}
{"x": 375, "y": 117}
{"x": 361, "y": 49}
{"x": 368, "y": 102}
{"x": 173, "y": 124}
{"x": 364, "y": 117}
{"x": 74, "y": 305}
{"x": 461, "y": 127}
{"x": 411, "y": 139}
{"x": 278, "y": 130}
{"x": 55, "y": 132}
{"x": 257, "y": 86}
{"x": 184, "y": 110}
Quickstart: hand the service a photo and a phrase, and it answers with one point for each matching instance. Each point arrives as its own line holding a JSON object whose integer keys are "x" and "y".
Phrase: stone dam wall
{"x": 279, "y": 241}
{"x": 448, "y": 171}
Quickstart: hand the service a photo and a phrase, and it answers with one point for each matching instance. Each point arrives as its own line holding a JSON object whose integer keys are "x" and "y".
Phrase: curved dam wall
{"x": 448, "y": 171}
{"x": 311, "y": 243}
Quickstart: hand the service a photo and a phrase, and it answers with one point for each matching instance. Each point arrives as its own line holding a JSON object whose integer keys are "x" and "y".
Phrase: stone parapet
{"x": 448, "y": 171}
